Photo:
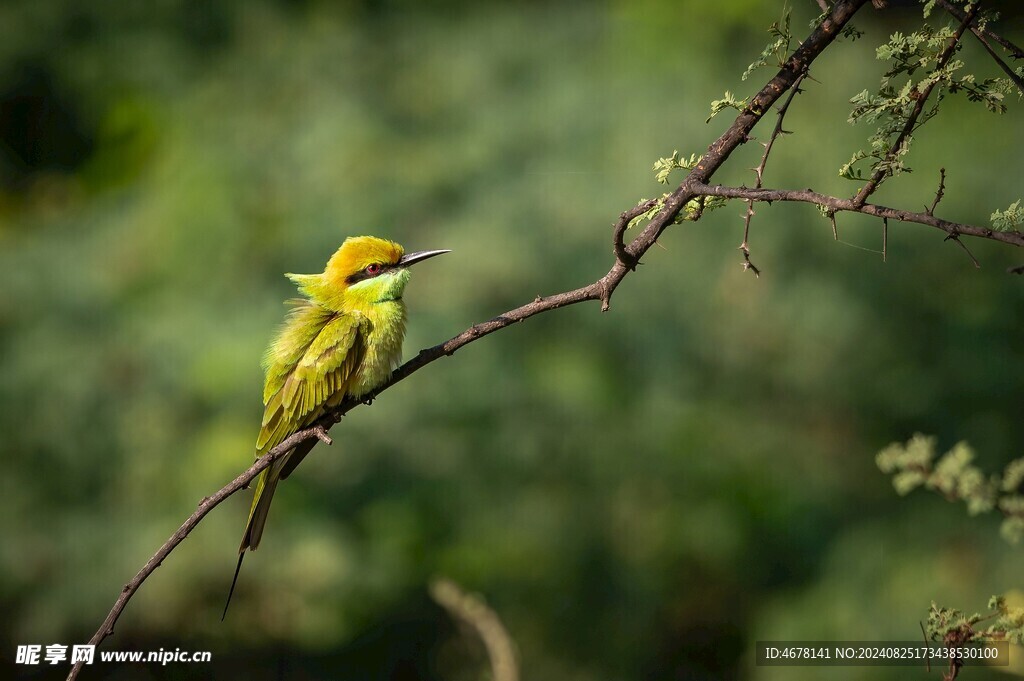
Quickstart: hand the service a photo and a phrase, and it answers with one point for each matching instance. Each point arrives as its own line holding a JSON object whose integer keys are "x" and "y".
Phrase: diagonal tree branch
{"x": 1017, "y": 80}
{"x": 719, "y": 151}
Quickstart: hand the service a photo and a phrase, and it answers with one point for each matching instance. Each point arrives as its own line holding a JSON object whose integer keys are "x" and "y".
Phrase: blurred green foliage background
{"x": 640, "y": 494}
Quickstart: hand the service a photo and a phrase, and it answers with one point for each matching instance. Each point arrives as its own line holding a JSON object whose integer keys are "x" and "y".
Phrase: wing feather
{"x": 301, "y": 381}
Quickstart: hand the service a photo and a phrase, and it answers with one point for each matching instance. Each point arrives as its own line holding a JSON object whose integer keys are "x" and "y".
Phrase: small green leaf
{"x": 663, "y": 167}
{"x": 729, "y": 101}
{"x": 775, "y": 52}
{"x": 1010, "y": 219}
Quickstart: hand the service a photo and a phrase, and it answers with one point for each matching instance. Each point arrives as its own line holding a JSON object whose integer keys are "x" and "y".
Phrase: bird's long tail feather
{"x": 234, "y": 580}
{"x": 265, "y": 488}
{"x": 264, "y": 494}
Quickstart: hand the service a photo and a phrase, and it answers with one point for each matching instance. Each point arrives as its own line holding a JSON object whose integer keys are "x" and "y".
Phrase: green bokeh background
{"x": 640, "y": 494}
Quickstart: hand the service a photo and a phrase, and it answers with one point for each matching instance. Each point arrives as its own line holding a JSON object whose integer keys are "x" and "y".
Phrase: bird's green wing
{"x": 300, "y": 383}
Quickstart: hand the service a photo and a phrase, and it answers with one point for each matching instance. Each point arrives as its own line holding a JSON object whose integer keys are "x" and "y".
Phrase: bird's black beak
{"x": 419, "y": 256}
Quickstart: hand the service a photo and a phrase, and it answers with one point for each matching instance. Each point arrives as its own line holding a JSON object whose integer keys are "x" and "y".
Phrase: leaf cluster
{"x": 663, "y": 167}
{"x": 728, "y": 101}
{"x": 894, "y": 104}
{"x": 1009, "y": 219}
{"x": 950, "y": 624}
{"x": 694, "y": 208}
{"x": 776, "y": 51}
{"x": 954, "y": 475}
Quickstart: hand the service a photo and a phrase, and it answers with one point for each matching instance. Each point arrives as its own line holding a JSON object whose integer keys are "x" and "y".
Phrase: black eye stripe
{"x": 362, "y": 274}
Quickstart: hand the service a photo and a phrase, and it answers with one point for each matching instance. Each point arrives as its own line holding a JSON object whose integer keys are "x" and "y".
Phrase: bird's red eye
{"x": 373, "y": 269}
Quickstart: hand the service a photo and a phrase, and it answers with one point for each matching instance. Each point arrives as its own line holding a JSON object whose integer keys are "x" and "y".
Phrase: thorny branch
{"x": 834, "y": 204}
{"x": 627, "y": 256}
{"x": 1017, "y": 80}
{"x": 759, "y": 172}
{"x": 602, "y": 289}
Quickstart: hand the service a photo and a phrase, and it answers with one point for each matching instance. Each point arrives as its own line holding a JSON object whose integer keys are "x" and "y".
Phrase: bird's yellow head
{"x": 367, "y": 270}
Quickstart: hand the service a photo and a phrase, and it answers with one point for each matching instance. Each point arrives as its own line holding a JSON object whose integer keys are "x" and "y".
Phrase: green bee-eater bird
{"x": 342, "y": 339}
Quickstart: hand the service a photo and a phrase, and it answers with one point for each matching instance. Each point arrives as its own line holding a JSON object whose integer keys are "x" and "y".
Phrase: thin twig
{"x": 915, "y": 113}
{"x": 747, "y": 264}
{"x": 717, "y": 154}
{"x": 777, "y": 130}
{"x": 205, "y": 506}
{"x": 940, "y": 192}
{"x": 472, "y": 610}
{"x": 759, "y": 172}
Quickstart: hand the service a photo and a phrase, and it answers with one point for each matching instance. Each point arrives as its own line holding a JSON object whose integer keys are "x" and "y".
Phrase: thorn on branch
{"x": 835, "y": 229}
{"x": 885, "y": 238}
{"x": 955, "y": 236}
{"x": 747, "y": 263}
